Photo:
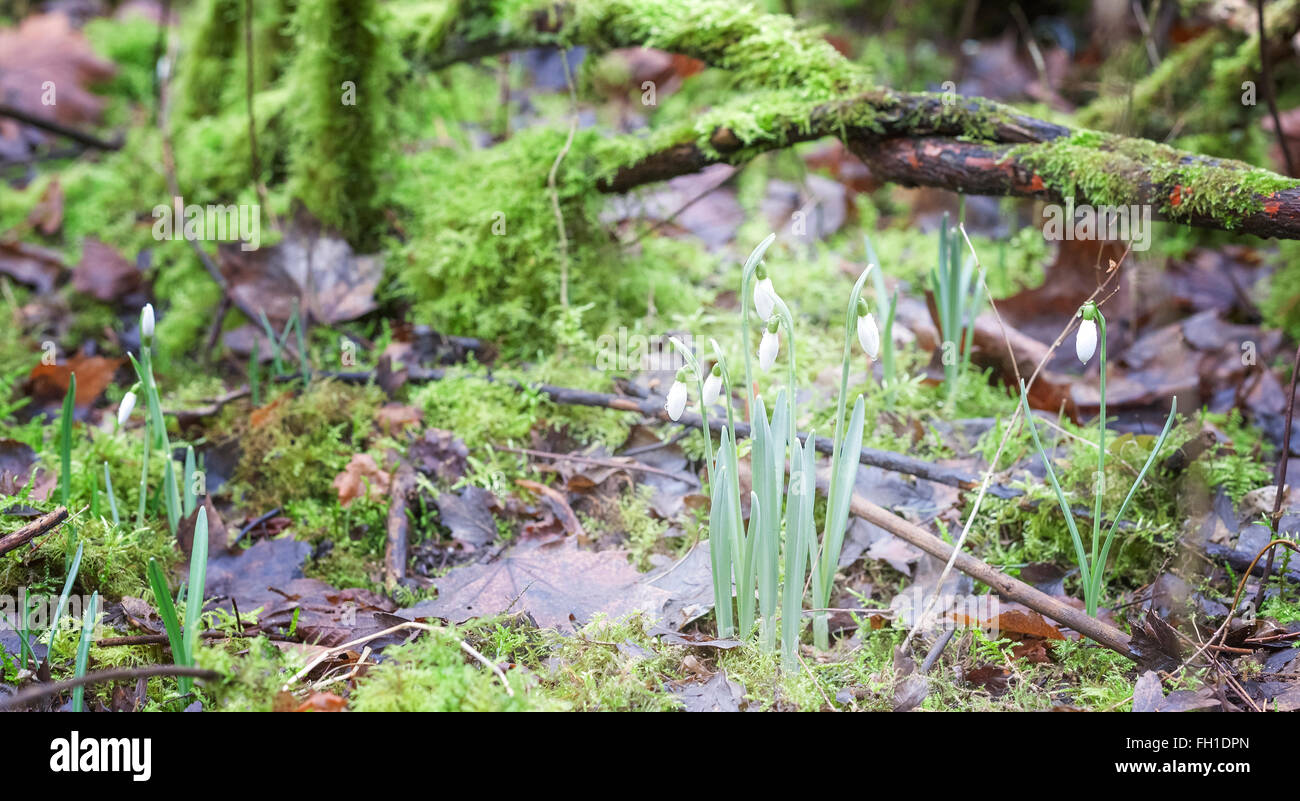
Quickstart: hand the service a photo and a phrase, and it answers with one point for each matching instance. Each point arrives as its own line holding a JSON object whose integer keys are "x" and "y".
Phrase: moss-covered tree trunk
{"x": 793, "y": 86}
{"x": 339, "y": 81}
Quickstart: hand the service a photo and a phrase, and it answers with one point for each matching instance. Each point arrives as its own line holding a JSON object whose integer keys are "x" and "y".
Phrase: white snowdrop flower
{"x": 767, "y": 349}
{"x": 146, "y": 321}
{"x": 1085, "y": 344}
{"x": 713, "y": 387}
{"x": 764, "y": 298}
{"x": 676, "y": 400}
{"x": 869, "y": 334}
{"x": 125, "y": 407}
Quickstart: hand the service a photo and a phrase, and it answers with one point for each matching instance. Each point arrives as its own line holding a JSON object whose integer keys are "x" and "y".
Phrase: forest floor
{"x": 437, "y": 476}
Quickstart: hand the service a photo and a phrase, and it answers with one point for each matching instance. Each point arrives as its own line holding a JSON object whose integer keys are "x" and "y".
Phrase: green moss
{"x": 1104, "y": 169}
{"x": 490, "y": 264}
{"x": 433, "y": 674}
{"x": 1280, "y": 304}
{"x": 1281, "y": 610}
{"x": 1236, "y": 470}
{"x": 129, "y": 43}
{"x": 613, "y": 667}
{"x": 113, "y": 561}
{"x": 630, "y": 522}
{"x": 340, "y": 148}
{"x": 293, "y": 450}
{"x": 205, "y": 73}
{"x": 252, "y": 673}
{"x": 1032, "y": 529}
{"x": 761, "y": 50}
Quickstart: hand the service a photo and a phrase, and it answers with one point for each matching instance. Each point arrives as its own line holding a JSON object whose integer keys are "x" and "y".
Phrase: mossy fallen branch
{"x": 796, "y": 87}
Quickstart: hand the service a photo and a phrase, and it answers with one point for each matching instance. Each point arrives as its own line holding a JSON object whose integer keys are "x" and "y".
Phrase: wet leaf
{"x": 248, "y": 575}
{"x": 35, "y": 266}
{"x": 314, "y": 702}
{"x": 718, "y": 694}
{"x": 362, "y": 475}
{"x": 103, "y": 273}
{"x": 16, "y": 462}
{"x": 1148, "y": 694}
{"x": 689, "y": 584}
{"x": 218, "y": 536}
{"x": 669, "y": 493}
{"x": 559, "y": 506}
{"x": 323, "y": 615}
{"x": 312, "y": 265}
{"x": 47, "y": 48}
{"x": 1189, "y": 701}
{"x": 440, "y": 454}
{"x": 551, "y": 582}
{"x": 393, "y": 417}
{"x": 468, "y": 515}
{"x": 47, "y": 384}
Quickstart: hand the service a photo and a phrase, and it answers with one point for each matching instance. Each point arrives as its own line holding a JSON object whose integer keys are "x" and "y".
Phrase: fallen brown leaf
{"x": 103, "y": 273}
{"x": 47, "y": 384}
{"x": 35, "y": 266}
{"x": 550, "y": 582}
{"x": 360, "y": 474}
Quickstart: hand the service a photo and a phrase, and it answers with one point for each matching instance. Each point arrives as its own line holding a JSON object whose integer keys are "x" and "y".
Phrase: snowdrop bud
{"x": 1085, "y": 344}
{"x": 764, "y": 294}
{"x": 146, "y": 321}
{"x": 868, "y": 334}
{"x": 767, "y": 349}
{"x": 125, "y": 407}
{"x": 676, "y": 399}
{"x": 713, "y": 386}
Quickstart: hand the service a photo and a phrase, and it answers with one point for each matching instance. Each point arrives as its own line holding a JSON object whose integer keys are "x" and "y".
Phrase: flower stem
{"x": 1091, "y": 595}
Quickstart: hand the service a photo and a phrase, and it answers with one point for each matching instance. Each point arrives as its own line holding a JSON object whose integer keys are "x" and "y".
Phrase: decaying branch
{"x": 1001, "y": 583}
{"x": 34, "y": 529}
{"x": 967, "y": 145}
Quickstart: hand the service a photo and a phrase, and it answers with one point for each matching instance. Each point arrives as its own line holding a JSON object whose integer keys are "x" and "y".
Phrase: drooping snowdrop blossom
{"x": 868, "y": 333}
{"x": 768, "y": 348}
{"x": 764, "y": 294}
{"x": 713, "y": 386}
{"x": 1085, "y": 343}
{"x": 125, "y": 407}
{"x": 146, "y": 322}
{"x": 677, "y": 398}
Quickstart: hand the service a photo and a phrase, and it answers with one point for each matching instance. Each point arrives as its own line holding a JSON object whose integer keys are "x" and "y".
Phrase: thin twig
{"x": 254, "y": 523}
{"x": 53, "y": 126}
{"x": 1266, "y": 71}
{"x": 636, "y": 467}
{"x": 1145, "y": 29}
{"x": 39, "y": 691}
{"x": 338, "y": 649}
